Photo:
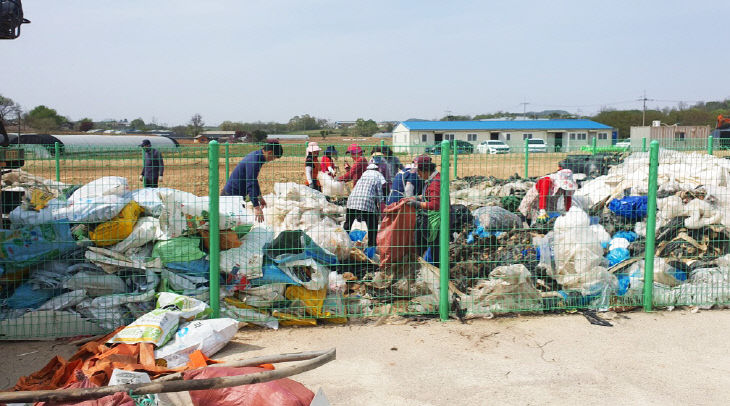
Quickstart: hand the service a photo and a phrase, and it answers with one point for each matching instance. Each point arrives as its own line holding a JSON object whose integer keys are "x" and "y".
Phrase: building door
{"x": 558, "y": 142}
{"x": 494, "y": 136}
{"x": 438, "y": 137}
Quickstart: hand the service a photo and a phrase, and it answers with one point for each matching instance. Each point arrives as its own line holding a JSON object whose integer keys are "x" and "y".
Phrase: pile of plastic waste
{"x": 593, "y": 254}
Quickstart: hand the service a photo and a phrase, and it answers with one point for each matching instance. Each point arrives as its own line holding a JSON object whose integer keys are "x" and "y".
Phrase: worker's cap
{"x": 313, "y": 147}
{"x": 145, "y": 143}
{"x": 564, "y": 180}
{"x": 422, "y": 162}
{"x": 354, "y": 149}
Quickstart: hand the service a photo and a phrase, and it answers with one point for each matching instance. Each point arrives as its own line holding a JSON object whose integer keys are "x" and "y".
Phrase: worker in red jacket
{"x": 547, "y": 195}
{"x": 428, "y": 205}
{"x": 359, "y": 166}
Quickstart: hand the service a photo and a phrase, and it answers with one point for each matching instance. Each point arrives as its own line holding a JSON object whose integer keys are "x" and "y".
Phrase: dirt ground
{"x": 662, "y": 358}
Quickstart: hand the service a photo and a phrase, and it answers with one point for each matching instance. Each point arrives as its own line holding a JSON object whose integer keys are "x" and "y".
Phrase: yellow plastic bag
{"x": 311, "y": 300}
{"x": 39, "y": 198}
{"x": 118, "y": 228}
{"x": 286, "y": 319}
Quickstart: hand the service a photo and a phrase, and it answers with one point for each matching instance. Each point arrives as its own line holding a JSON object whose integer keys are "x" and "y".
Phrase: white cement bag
{"x": 108, "y": 185}
{"x": 149, "y": 199}
{"x": 146, "y": 230}
{"x": 179, "y": 206}
{"x": 208, "y": 336}
{"x": 65, "y": 300}
{"x": 94, "y": 209}
{"x": 96, "y": 283}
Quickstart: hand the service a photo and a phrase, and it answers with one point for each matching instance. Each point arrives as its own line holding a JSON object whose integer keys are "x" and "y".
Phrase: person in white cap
{"x": 311, "y": 165}
{"x": 546, "y": 196}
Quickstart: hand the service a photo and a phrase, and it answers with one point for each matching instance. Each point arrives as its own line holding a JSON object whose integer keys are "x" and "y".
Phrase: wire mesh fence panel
{"x": 330, "y": 247}
{"x": 91, "y": 235}
{"x": 309, "y": 233}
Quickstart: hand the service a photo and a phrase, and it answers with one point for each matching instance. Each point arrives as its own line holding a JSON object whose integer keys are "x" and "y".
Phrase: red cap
{"x": 354, "y": 149}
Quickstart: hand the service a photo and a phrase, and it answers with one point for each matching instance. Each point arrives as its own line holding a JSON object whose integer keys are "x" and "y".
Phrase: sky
{"x": 270, "y": 60}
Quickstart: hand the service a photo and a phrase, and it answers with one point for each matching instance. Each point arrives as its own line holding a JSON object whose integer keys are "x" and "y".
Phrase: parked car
{"x": 536, "y": 145}
{"x": 493, "y": 147}
{"x": 591, "y": 165}
{"x": 462, "y": 147}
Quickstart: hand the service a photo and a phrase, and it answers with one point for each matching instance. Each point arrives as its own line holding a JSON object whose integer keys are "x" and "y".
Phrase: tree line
{"x": 46, "y": 119}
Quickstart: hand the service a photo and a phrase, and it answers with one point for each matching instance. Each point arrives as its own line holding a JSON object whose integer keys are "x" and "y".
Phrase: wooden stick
{"x": 252, "y": 362}
{"x": 64, "y": 395}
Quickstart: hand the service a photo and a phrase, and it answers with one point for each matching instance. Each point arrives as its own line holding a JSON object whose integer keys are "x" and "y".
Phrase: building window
{"x": 679, "y": 136}
{"x": 449, "y": 137}
{"x": 581, "y": 136}
{"x": 602, "y": 136}
{"x": 507, "y": 136}
{"x": 572, "y": 136}
{"x": 471, "y": 137}
{"x": 424, "y": 137}
{"x": 527, "y": 136}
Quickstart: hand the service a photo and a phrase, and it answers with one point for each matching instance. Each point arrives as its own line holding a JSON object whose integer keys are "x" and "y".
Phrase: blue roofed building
{"x": 559, "y": 135}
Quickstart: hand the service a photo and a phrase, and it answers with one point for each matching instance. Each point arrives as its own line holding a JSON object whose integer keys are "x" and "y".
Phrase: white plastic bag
{"x": 331, "y": 237}
{"x": 319, "y": 273}
{"x": 249, "y": 257}
{"x": 577, "y": 249}
{"x": 264, "y": 296}
{"x": 330, "y": 186}
{"x": 64, "y": 301}
{"x": 96, "y": 283}
{"x": 494, "y": 218}
{"x": 208, "y": 336}
{"x": 108, "y": 185}
{"x": 179, "y": 206}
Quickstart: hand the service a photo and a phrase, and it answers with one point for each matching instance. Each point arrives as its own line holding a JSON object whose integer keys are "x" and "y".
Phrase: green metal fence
{"x": 85, "y": 246}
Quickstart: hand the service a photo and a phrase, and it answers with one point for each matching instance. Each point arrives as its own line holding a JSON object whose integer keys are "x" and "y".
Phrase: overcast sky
{"x": 340, "y": 60}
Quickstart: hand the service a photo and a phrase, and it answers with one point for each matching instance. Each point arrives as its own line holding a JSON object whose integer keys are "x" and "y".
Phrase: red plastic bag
{"x": 283, "y": 392}
{"x": 396, "y": 234}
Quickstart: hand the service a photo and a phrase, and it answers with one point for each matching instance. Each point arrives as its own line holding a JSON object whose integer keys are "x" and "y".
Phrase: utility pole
{"x": 524, "y": 109}
{"x": 643, "y": 114}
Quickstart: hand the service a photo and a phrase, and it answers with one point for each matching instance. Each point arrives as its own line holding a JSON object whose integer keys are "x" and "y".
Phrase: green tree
{"x": 45, "y": 119}
{"x": 305, "y": 123}
{"x": 455, "y": 118}
{"x": 137, "y": 124}
{"x": 259, "y": 135}
{"x": 364, "y": 128}
{"x": 86, "y": 124}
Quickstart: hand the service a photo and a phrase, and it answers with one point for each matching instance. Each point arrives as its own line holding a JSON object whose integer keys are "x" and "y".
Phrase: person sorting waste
{"x": 244, "y": 179}
{"x": 328, "y": 161}
{"x": 552, "y": 193}
{"x": 379, "y": 159}
{"x": 152, "y": 165}
{"x": 428, "y": 204}
{"x": 311, "y": 166}
{"x": 358, "y": 167}
{"x": 405, "y": 184}
{"x": 364, "y": 201}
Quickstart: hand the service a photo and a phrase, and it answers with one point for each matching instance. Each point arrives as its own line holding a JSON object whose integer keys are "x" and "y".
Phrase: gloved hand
{"x": 414, "y": 203}
{"x": 543, "y": 217}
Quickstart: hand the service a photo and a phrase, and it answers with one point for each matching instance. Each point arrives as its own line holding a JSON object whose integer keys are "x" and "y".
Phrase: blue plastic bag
{"x": 370, "y": 252}
{"x": 198, "y": 267}
{"x": 623, "y": 283}
{"x": 630, "y": 236}
{"x": 357, "y": 235}
{"x": 630, "y": 207}
{"x": 617, "y": 255}
{"x": 25, "y": 297}
{"x": 272, "y": 274}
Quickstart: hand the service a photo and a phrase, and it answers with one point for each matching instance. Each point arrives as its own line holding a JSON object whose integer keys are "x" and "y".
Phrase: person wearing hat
{"x": 378, "y": 157}
{"x": 547, "y": 195}
{"x": 405, "y": 184}
{"x": 428, "y": 204}
{"x": 358, "y": 167}
{"x": 244, "y": 180}
{"x": 328, "y": 164}
{"x": 152, "y": 165}
{"x": 311, "y": 166}
{"x": 364, "y": 201}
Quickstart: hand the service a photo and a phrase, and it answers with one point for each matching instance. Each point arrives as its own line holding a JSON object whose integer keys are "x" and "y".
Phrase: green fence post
{"x": 594, "y": 143}
{"x": 456, "y": 158}
{"x": 650, "y": 227}
{"x": 710, "y": 142}
{"x": 228, "y": 164}
{"x": 527, "y": 159}
{"x": 643, "y": 144}
{"x": 214, "y": 231}
{"x": 57, "y": 154}
{"x": 382, "y": 144}
{"x": 444, "y": 233}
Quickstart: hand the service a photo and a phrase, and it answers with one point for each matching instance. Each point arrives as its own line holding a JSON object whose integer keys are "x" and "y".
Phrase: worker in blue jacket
{"x": 244, "y": 179}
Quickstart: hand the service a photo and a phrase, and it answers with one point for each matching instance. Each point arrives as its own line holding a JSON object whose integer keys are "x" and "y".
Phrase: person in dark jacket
{"x": 152, "y": 165}
{"x": 428, "y": 205}
{"x": 244, "y": 179}
{"x": 405, "y": 184}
